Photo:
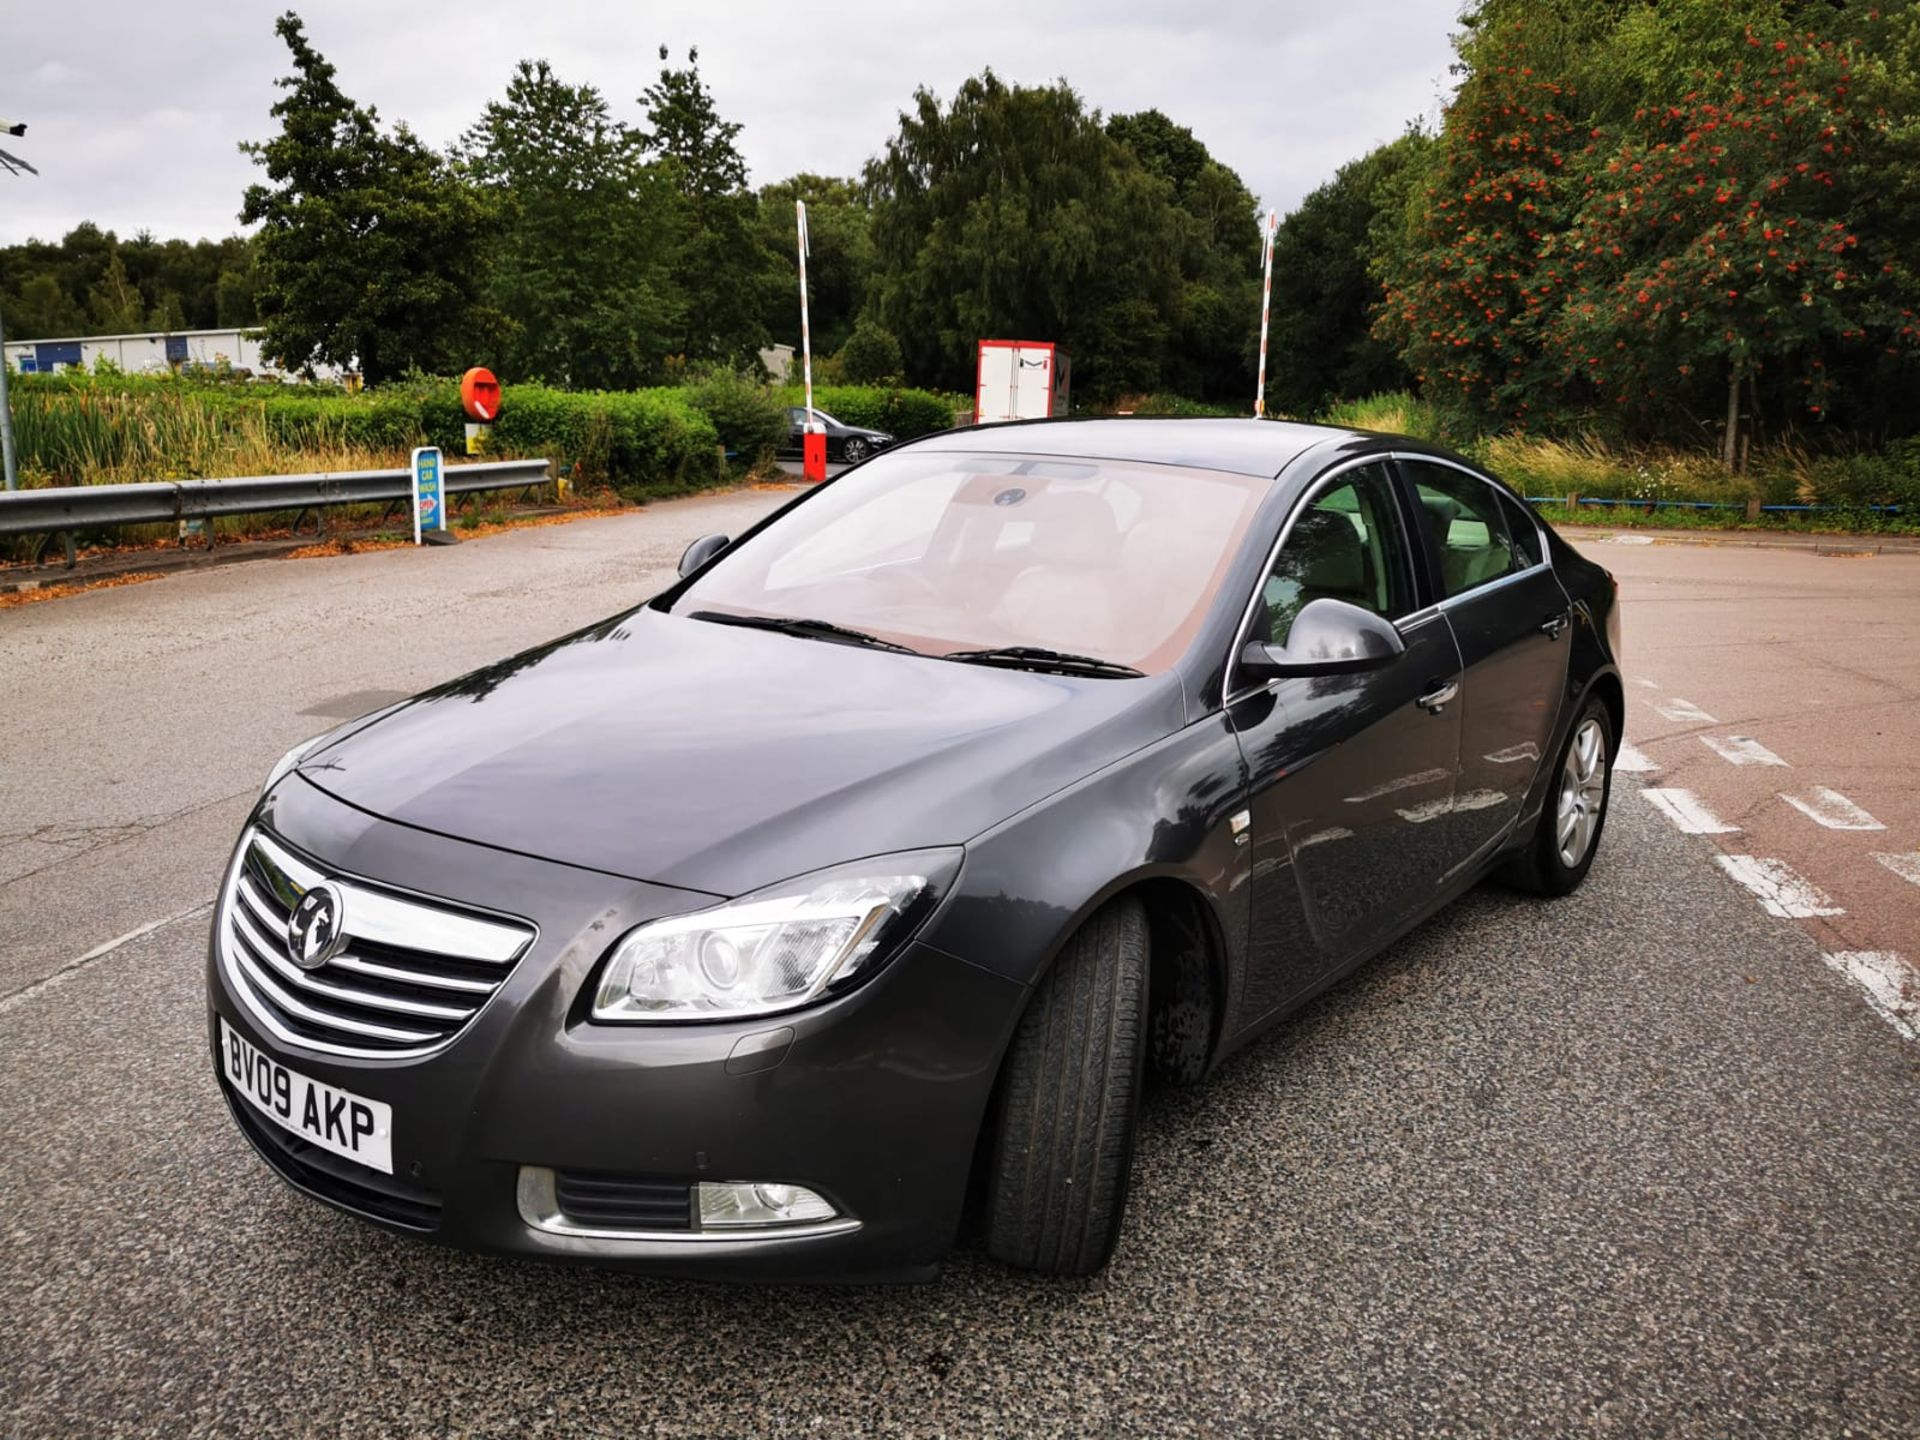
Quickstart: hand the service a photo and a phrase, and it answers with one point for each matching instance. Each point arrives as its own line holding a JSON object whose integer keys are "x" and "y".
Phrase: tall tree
{"x": 114, "y": 303}
{"x": 1213, "y": 327}
{"x": 839, "y": 259}
{"x": 1013, "y": 212}
{"x": 586, "y": 233}
{"x": 1322, "y": 345}
{"x": 370, "y": 246}
{"x": 721, "y": 263}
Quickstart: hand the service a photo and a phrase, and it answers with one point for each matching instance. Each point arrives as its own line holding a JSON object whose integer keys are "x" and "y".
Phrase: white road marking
{"x": 1323, "y": 837}
{"x": 1650, "y": 684}
{"x": 1683, "y": 712}
{"x": 26, "y": 993}
{"x": 1779, "y": 889}
{"x": 1684, "y": 809}
{"x": 1740, "y": 750}
{"x": 1632, "y": 761}
{"x": 1631, "y": 539}
{"x": 1907, "y": 867}
{"x": 1889, "y": 983}
{"x": 1833, "y": 810}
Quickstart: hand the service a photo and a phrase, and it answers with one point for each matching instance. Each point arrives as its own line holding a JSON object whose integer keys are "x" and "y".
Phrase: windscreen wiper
{"x": 1038, "y": 657}
{"x": 805, "y": 629}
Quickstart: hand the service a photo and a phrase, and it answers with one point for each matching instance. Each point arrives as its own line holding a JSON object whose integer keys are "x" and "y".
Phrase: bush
{"x": 743, "y": 412}
{"x": 903, "y": 414}
{"x": 1172, "y": 405}
{"x": 871, "y": 355}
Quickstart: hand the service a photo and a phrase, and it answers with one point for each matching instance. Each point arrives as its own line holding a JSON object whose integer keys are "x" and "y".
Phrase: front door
{"x": 1510, "y": 619}
{"x": 1351, "y": 778}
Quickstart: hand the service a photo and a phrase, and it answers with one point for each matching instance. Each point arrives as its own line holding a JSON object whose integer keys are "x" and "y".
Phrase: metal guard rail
{"x": 86, "y": 507}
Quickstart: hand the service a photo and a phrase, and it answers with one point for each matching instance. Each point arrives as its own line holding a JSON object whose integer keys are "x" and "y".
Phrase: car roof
{"x": 1242, "y": 446}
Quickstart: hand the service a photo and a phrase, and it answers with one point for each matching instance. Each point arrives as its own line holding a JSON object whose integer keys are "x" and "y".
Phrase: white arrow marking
{"x": 1632, "y": 761}
{"x": 1779, "y": 889}
{"x": 1683, "y": 712}
{"x": 1907, "y": 867}
{"x": 1740, "y": 750}
{"x": 1684, "y": 809}
{"x": 1889, "y": 983}
{"x": 1833, "y": 810}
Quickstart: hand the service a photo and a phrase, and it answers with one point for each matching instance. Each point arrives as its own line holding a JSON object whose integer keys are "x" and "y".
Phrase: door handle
{"x": 1554, "y": 624}
{"x": 1435, "y": 700}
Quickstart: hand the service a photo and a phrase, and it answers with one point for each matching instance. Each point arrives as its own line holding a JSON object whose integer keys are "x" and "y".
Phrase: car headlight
{"x": 284, "y": 765}
{"x": 775, "y": 949}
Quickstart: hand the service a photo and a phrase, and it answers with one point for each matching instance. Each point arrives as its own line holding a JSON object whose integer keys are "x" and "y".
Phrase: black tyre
{"x": 856, "y": 451}
{"x": 1062, "y": 1150}
{"x": 1564, "y": 843}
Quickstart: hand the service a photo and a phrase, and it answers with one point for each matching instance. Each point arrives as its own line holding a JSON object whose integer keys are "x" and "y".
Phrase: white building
{"x": 151, "y": 354}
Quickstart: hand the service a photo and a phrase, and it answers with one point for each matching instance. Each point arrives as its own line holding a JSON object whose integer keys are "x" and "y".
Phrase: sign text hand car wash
{"x": 429, "y": 501}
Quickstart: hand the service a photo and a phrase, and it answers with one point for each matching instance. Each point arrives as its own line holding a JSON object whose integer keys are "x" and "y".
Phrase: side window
{"x": 1464, "y": 515}
{"x": 1347, "y": 544}
{"x": 1525, "y": 530}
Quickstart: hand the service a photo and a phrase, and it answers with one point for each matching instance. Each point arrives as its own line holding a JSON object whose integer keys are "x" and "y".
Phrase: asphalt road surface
{"x": 1637, "y": 1162}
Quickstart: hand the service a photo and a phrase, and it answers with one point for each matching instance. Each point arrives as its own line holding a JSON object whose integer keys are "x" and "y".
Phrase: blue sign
{"x": 429, "y": 503}
{"x": 176, "y": 349}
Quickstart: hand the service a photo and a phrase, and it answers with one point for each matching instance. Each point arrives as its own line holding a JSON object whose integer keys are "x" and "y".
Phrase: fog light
{"x": 740, "y": 1203}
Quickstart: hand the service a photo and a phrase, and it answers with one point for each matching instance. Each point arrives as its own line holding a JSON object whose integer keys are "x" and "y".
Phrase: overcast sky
{"x": 135, "y": 108}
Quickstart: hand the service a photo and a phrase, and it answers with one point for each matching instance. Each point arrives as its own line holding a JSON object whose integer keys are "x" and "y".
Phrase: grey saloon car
{"x": 832, "y": 906}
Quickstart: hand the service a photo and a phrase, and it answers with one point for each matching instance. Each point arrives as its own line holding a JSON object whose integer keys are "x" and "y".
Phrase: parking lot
{"x": 1642, "y": 1161}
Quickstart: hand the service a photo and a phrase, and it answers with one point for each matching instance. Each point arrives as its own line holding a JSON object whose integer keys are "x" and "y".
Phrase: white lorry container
{"x": 1020, "y": 380}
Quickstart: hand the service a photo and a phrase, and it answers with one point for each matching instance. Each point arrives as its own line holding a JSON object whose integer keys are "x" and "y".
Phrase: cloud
{"x": 137, "y": 110}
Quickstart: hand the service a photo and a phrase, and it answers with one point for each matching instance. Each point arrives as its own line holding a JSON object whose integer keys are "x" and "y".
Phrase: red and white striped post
{"x": 813, "y": 439}
{"x": 1266, "y": 305}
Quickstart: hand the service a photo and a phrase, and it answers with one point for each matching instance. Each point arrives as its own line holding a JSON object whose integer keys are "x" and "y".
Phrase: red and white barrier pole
{"x": 813, "y": 439}
{"x": 1266, "y": 305}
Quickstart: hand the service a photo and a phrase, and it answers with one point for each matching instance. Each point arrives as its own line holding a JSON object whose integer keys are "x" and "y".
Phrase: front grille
{"x": 326, "y": 1175}
{"x": 410, "y": 977}
{"x": 620, "y": 1202}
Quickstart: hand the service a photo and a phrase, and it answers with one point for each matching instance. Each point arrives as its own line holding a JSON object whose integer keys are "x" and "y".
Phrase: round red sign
{"x": 480, "y": 393}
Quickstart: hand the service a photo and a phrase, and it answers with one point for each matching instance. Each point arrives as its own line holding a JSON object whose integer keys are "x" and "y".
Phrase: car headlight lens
{"x": 775, "y": 949}
{"x": 284, "y": 765}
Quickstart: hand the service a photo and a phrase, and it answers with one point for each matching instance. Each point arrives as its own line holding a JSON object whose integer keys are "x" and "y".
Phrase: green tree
{"x": 43, "y": 311}
{"x": 1321, "y": 346}
{"x": 871, "y": 355}
{"x": 1214, "y": 324}
{"x": 167, "y": 313}
{"x": 586, "y": 232}
{"x": 114, "y": 303}
{"x": 370, "y": 246}
{"x": 721, "y": 263}
{"x": 1716, "y": 237}
{"x": 1012, "y": 212}
{"x": 839, "y": 258}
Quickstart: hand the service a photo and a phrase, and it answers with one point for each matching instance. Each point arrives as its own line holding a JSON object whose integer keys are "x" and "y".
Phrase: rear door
{"x": 1351, "y": 778}
{"x": 1509, "y": 616}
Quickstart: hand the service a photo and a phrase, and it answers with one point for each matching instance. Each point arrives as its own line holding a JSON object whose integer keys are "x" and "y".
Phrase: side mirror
{"x": 700, "y": 552}
{"x": 1329, "y": 637}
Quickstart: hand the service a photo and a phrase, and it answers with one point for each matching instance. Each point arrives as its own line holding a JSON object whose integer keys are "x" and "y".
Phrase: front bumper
{"x": 874, "y": 1100}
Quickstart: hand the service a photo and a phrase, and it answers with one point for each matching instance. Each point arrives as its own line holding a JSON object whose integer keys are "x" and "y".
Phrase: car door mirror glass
{"x": 700, "y": 552}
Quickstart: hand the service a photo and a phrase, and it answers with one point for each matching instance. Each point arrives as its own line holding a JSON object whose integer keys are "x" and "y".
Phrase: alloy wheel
{"x": 1583, "y": 792}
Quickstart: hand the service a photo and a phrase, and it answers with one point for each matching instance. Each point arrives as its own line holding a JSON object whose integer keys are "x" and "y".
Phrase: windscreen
{"x": 945, "y": 552}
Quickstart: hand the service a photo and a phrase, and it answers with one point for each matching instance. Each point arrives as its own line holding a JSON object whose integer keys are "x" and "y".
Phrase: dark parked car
{"x": 832, "y": 903}
{"x": 848, "y": 443}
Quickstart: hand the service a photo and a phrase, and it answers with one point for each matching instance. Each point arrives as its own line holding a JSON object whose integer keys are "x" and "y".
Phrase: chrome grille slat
{"x": 263, "y": 981}
{"x": 411, "y": 952}
{"x": 402, "y": 923}
{"x": 357, "y": 965}
{"x": 285, "y": 970}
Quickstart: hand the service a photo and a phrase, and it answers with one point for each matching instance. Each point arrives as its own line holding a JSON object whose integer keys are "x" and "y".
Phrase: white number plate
{"x": 349, "y": 1125}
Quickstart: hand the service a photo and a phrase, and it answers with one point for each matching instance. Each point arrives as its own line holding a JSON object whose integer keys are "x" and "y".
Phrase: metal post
{"x": 1266, "y": 304}
{"x": 6, "y": 419}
